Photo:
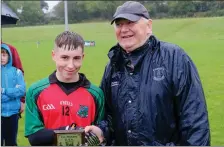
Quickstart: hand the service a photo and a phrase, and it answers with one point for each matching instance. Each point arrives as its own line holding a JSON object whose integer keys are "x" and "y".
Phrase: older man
{"x": 152, "y": 88}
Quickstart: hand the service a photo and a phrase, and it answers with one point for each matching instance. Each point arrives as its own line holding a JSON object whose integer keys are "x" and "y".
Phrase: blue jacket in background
{"x": 13, "y": 87}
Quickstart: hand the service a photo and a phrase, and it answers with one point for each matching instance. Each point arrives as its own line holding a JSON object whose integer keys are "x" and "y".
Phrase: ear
{"x": 53, "y": 55}
{"x": 83, "y": 55}
{"x": 149, "y": 26}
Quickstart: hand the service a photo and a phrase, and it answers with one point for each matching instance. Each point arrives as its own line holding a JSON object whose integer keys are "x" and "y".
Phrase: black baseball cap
{"x": 131, "y": 10}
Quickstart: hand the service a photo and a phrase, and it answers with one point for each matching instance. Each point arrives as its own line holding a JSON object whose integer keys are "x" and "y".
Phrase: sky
{"x": 51, "y": 4}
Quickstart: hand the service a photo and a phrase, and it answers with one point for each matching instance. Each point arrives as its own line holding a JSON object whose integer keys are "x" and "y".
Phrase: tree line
{"x": 34, "y": 12}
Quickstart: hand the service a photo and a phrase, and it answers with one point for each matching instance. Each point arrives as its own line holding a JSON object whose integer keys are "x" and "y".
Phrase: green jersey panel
{"x": 33, "y": 122}
{"x": 100, "y": 101}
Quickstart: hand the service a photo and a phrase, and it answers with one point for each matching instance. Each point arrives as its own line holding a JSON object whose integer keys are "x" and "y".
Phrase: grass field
{"x": 201, "y": 38}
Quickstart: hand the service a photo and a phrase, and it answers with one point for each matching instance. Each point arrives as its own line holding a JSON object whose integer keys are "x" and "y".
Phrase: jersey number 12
{"x": 65, "y": 110}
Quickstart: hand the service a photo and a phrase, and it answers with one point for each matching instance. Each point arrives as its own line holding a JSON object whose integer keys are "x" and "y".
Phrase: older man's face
{"x": 132, "y": 35}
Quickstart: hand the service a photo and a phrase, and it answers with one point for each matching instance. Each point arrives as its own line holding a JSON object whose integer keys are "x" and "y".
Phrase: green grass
{"x": 201, "y": 38}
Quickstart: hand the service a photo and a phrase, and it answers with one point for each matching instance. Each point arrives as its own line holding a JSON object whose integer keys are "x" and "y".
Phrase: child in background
{"x": 12, "y": 90}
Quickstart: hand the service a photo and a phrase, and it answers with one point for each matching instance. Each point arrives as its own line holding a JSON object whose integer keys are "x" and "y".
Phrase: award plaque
{"x": 69, "y": 137}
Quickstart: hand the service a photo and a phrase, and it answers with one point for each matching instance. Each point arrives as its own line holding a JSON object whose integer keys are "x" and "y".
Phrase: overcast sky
{"x": 51, "y": 4}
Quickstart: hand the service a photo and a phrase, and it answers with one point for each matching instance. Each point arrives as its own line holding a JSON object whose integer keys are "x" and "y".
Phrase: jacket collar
{"x": 117, "y": 53}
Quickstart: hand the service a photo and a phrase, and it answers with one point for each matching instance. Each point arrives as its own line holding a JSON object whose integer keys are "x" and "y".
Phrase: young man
{"x": 153, "y": 92}
{"x": 64, "y": 98}
{"x": 12, "y": 89}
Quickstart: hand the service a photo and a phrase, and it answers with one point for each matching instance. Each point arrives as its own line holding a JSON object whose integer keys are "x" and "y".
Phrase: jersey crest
{"x": 83, "y": 111}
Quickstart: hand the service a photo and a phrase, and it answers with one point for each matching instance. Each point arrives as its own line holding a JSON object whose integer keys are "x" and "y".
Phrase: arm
{"x": 19, "y": 90}
{"x": 16, "y": 62}
{"x": 42, "y": 137}
{"x": 191, "y": 104}
{"x": 100, "y": 106}
{"x": 102, "y": 121}
{"x": 4, "y": 98}
{"x": 97, "y": 93}
{"x": 106, "y": 126}
{"x": 34, "y": 127}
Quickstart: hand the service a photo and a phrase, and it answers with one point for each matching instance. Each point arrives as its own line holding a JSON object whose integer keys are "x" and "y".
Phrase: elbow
{"x": 35, "y": 141}
{"x": 21, "y": 92}
{"x": 42, "y": 138}
{"x": 32, "y": 141}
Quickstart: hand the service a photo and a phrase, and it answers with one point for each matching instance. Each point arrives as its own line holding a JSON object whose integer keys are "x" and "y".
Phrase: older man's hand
{"x": 96, "y": 130}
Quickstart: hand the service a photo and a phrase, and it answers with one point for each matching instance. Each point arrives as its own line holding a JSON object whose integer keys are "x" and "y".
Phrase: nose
{"x": 71, "y": 64}
{"x": 124, "y": 28}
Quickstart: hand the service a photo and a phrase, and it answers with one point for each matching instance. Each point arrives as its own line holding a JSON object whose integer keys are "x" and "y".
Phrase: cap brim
{"x": 131, "y": 17}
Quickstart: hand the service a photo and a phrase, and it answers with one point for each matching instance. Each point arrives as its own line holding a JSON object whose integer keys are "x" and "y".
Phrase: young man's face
{"x": 4, "y": 57}
{"x": 132, "y": 35}
{"x": 68, "y": 63}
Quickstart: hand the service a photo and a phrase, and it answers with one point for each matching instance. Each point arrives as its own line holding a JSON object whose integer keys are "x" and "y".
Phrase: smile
{"x": 128, "y": 36}
{"x": 70, "y": 71}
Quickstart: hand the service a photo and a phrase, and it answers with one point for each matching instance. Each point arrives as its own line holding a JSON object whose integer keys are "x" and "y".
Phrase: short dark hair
{"x": 70, "y": 39}
{"x": 3, "y": 50}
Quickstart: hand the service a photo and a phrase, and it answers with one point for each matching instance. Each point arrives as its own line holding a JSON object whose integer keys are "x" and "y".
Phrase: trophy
{"x": 69, "y": 137}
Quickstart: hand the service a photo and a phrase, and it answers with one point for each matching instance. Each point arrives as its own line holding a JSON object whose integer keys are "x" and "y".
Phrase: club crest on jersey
{"x": 83, "y": 111}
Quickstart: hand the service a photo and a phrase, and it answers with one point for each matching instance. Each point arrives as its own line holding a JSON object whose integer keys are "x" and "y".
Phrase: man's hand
{"x": 96, "y": 130}
{"x": 22, "y": 107}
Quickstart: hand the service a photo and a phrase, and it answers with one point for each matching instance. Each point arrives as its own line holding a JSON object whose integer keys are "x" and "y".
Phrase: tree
{"x": 44, "y": 5}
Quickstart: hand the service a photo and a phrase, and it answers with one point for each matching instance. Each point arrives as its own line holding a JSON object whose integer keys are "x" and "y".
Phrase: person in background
{"x": 12, "y": 89}
{"x": 18, "y": 64}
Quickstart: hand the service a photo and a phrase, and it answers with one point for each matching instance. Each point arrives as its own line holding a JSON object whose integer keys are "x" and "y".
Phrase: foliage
{"x": 32, "y": 12}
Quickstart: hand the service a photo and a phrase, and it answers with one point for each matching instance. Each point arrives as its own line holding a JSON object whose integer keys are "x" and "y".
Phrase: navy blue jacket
{"x": 154, "y": 97}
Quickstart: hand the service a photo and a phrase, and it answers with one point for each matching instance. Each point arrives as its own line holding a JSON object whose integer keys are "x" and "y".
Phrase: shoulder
{"x": 170, "y": 47}
{"x": 172, "y": 51}
{"x": 108, "y": 70}
{"x": 18, "y": 71}
{"x": 38, "y": 86}
{"x": 15, "y": 71}
{"x": 96, "y": 91}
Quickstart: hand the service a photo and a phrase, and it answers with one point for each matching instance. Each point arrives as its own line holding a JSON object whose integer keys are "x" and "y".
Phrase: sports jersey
{"x": 50, "y": 105}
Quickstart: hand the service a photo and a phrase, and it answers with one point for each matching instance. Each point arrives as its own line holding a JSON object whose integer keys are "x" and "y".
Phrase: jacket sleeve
{"x": 20, "y": 89}
{"x": 106, "y": 126}
{"x": 4, "y": 98}
{"x": 190, "y": 102}
{"x": 100, "y": 120}
{"x": 16, "y": 62}
{"x": 43, "y": 137}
